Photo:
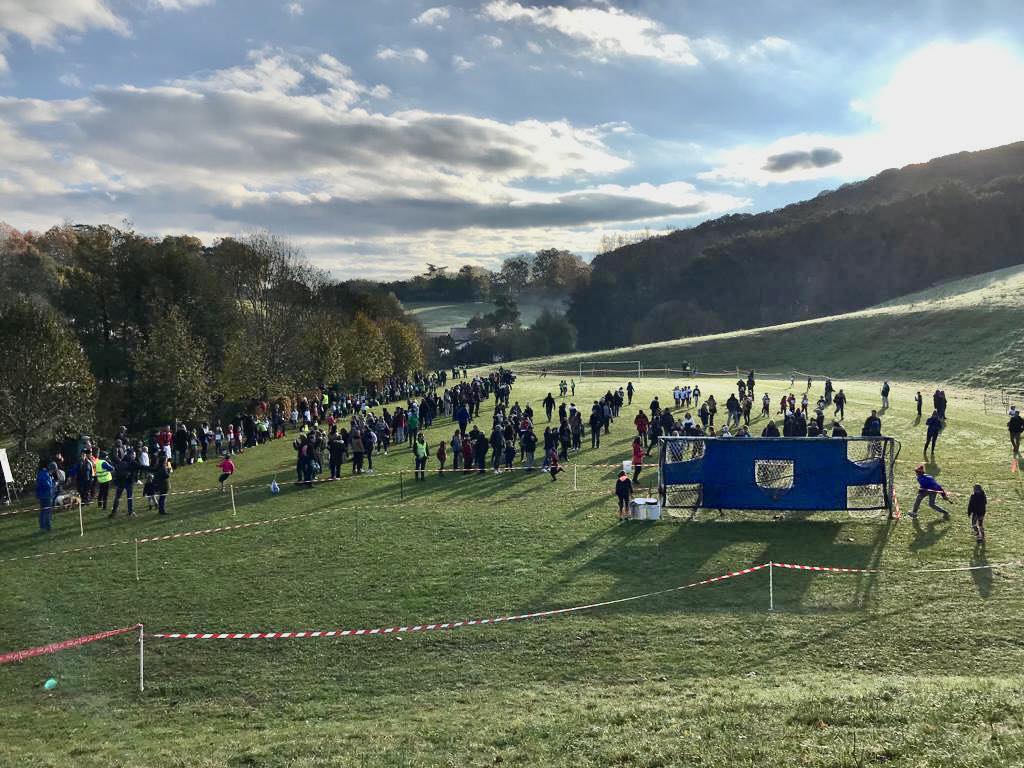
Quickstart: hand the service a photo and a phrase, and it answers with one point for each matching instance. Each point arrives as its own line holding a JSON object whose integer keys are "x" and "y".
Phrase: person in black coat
{"x": 976, "y": 509}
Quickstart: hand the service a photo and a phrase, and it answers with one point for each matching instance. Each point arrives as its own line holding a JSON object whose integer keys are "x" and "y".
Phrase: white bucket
{"x": 627, "y": 467}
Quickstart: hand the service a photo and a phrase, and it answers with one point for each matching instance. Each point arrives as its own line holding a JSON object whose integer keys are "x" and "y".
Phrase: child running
{"x": 553, "y": 467}
{"x": 227, "y": 469}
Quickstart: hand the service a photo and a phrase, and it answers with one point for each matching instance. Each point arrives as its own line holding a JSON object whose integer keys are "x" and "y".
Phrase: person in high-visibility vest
{"x": 104, "y": 474}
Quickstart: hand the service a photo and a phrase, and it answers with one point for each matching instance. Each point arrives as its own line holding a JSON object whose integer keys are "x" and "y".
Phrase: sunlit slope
{"x": 967, "y": 331}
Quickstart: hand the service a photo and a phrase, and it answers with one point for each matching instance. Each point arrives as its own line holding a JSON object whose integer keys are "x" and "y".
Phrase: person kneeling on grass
{"x": 227, "y": 469}
{"x": 623, "y": 491}
{"x": 976, "y": 510}
{"x": 929, "y": 487}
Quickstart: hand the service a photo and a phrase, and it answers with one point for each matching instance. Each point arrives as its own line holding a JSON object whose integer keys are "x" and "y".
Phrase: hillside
{"x": 442, "y": 316}
{"x": 965, "y": 331}
{"x": 844, "y": 250}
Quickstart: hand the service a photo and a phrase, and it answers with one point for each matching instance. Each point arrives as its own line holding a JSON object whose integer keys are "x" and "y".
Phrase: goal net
{"x": 801, "y": 473}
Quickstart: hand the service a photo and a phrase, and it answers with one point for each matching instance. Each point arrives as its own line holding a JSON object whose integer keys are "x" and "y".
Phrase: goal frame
{"x": 611, "y": 367}
{"x": 875, "y": 459}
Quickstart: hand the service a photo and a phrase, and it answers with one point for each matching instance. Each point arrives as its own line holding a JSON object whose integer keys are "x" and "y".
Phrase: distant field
{"x": 966, "y": 331}
{"x": 437, "y": 316}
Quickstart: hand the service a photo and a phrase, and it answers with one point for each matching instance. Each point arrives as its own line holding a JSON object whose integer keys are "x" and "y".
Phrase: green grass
{"x": 894, "y": 668}
{"x": 965, "y": 332}
{"x": 439, "y": 316}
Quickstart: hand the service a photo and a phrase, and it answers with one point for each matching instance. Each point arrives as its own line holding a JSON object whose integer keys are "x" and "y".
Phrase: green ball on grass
{"x": 50, "y": 684}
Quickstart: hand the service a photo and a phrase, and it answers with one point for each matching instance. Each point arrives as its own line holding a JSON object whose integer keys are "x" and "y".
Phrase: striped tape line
{"x": 408, "y": 628}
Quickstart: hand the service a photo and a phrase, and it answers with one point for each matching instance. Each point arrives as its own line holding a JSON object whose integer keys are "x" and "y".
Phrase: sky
{"x": 385, "y": 134}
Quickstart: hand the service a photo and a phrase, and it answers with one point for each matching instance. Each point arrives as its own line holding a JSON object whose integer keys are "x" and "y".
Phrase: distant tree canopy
{"x": 860, "y": 245}
{"x": 159, "y": 329}
{"x": 546, "y": 273}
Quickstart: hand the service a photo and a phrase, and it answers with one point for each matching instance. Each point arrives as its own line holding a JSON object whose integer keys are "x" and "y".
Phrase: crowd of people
{"x": 339, "y": 432}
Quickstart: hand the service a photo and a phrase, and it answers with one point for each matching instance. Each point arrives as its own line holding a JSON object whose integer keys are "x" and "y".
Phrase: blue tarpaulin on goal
{"x": 775, "y": 473}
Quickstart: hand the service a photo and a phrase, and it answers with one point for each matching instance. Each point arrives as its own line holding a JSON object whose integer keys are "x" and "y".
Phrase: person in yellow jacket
{"x": 420, "y": 452}
{"x": 104, "y": 474}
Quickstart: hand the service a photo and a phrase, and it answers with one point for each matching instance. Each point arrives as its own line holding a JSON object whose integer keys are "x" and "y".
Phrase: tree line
{"x": 102, "y": 327}
{"x": 865, "y": 245}
{"x": 545, "y": 274}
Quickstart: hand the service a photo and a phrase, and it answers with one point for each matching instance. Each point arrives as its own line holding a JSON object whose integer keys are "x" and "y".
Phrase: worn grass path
{"x": 895, "y": 668}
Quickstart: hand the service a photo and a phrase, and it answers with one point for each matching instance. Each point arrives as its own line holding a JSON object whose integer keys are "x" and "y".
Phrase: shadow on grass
{"x": 639, "y": 556}
{"x": 982, "y": 575}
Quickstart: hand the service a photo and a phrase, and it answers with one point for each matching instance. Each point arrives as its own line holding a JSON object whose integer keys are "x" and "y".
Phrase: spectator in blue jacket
{"x": 934, "y": 425}
{"x": 928, "y": 487}
{"x": 46, "y": 491}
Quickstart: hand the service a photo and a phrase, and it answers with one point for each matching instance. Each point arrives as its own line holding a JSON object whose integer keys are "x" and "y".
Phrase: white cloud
{"x": 4, "y": 66}
{"x": 943, "y": 98}
{"x": 291, "y": 143}
{"x": 533, "y": 47}
{"x": 178, "y": 5}
{"x": 402, "y": 54}
{"x": 492, "y": 40}
{"x": 294, "y": 9}
{"x": 42, "y": 22}
{"x": 604, "y": 33}
{"x": 462, "y": 64}
{"x": 432, "y": 17}
{"x": 71, "y": 80}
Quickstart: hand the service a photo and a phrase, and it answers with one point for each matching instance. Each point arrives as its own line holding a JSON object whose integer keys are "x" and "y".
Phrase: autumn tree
{"x": 172, "y": 374}
{"x": 46, "y": 388}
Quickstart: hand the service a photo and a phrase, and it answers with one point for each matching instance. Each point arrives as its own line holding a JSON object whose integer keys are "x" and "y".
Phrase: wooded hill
{"x": 862, "y": 244}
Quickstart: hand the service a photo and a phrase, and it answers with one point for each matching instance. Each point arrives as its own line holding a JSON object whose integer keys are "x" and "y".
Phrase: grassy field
{"x": 437, "y": 316}
{"x": 896, "y": 668}
{"x": 965, "y": 332}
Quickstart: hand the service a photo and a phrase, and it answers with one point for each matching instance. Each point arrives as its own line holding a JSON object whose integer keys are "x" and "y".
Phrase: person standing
{"x": 629, "y": 393}
{"x": 885, "y": 394}
{"x": 623, "y": 492}
{"x": 162, "y": 483}
{"x": 85, "y": 474}
{"x": 442, "y": 456}
{"x": 918, "y": 400}
{"x": 934, "y": 425}
{"x": 529, "y": 444}
{"x": 1015, "y": 426}
{"x": 638, "y": 459}
{"x": 125, "y": 472}
{"x": 46, "y": 492}
{"x": 976, "y": 510}
{"x": 928, "y": 487}
{"x": 420, "y": 452}
{"x": 104, "y": 474}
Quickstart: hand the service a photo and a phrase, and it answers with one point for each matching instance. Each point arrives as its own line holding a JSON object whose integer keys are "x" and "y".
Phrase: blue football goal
{"x": 777, "y": 473}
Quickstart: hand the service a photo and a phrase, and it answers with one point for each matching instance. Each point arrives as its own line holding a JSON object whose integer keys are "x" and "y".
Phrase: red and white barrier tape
{"x": 442, "y": 625}
{"x": 67, "y": 551}
{"x": 823, "y": 568}
{"x": 62, "y": 645}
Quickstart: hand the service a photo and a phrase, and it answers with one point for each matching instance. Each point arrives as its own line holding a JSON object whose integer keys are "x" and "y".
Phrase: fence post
{"x": 401, "y": 484}
{"x": 575, "y": 485}
{"x": 136, "y": 558}
{"x": 771, "y": 586}
{"x": 81, "y": 523}
{"x": 142, "y": 659}
{"x": 234, "y": 511}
